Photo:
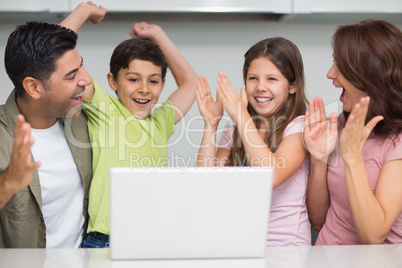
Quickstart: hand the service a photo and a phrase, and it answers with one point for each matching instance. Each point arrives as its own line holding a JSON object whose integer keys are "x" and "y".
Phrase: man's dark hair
{"x": 32, "y": 50}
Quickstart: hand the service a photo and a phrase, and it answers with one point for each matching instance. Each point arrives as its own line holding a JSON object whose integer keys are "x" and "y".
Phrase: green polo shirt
{"x": 120, "y": 140}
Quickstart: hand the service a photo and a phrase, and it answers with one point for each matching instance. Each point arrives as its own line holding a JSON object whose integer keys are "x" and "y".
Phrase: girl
{"x": 356, "y": 198}
{"x": 268, "y": 132}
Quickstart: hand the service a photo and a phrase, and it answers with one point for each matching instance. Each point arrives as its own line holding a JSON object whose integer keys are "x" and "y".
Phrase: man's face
{"x": 62, "y": 95}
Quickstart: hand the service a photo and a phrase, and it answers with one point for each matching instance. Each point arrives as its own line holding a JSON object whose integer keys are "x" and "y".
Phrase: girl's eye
{"x": 252, "y": 78}
{"x": 272, "y": 79}
{"x": 154, "y": 81}
{"x": 133, "y": 80}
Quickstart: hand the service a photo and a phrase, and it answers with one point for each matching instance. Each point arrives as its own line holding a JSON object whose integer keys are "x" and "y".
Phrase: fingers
{"x": 333, "y": 121}
{"x": 363, "y": 113}
{"x": 228, "y": 94}
{"x": 218, "y": 97}
{"x": 136, "y": 30}
{"x": 318, "y": 108}
{"x": 22, "y": 139}
{"x": 141, "y": 29}
{"x": 358, "y": 114}
{"x": 314, "y": 113}
{"x": 97, "y": 13}
{"x": 373, "y": 122}
{"x": 203, "y": 86}
{"x": 321, "y": 106}
{"x": 203, "y": 90}
{"x": 20, "y": 132}
{"x": 198, "y": 97}
{"x": 315, "y": 120}
{"x": 21, "y": 165}
{"x": 243, "y": 96}
{"x": 311, "y": 109}
{"x": 226, "y": 86}
{"x": 306, "y": 120}
{"x": 357, "y": 117}
{"x": 103, "y": 9}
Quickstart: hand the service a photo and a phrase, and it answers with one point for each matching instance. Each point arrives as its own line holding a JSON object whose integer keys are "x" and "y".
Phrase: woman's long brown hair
{"x": 369, "y": 56}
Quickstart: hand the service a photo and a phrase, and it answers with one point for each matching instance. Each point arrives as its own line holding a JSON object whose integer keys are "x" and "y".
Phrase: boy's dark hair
{"x": 137, "y": 48}
{"x": 32, "y": 50}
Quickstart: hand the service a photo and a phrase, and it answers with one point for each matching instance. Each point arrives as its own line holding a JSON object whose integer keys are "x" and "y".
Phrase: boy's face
{"x": 138, "y": 87}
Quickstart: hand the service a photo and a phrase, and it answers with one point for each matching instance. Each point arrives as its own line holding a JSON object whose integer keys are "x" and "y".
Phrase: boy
{"x": 127, "y": 131}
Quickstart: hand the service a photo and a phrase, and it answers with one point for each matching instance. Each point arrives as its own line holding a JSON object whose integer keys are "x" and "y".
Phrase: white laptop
{"x": 189, "y": 213}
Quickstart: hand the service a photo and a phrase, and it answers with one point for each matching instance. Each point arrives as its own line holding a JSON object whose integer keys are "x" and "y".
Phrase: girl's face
{"x": 350, "y": 94}
{"x": 267, "y": 89}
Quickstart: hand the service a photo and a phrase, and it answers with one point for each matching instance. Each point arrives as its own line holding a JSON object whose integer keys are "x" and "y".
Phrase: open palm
{"x": 211, "y": 110}
{"x": 319, "y": 138}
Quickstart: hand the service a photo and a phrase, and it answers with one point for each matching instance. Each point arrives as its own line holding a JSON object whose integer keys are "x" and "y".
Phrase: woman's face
{"x": 350, "y": 94}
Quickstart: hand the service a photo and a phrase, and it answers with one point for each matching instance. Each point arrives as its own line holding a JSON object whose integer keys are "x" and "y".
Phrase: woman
{"x": 354, "y": 193}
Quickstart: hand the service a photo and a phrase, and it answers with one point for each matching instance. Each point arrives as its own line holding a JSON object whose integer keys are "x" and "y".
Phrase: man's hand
{"x": 19, "y": 172}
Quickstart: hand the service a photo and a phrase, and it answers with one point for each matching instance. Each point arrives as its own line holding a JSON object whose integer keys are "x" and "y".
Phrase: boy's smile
{"x": 138, "y": 87}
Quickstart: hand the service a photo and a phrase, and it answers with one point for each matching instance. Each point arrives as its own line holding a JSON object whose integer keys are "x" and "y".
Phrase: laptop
{"x": 189, "y": 213}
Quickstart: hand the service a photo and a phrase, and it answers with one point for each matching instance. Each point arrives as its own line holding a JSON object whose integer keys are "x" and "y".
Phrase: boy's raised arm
{"x": 82, "y": 13}
{"x": 186, "y": 78}
{"x": 74, "y": 21}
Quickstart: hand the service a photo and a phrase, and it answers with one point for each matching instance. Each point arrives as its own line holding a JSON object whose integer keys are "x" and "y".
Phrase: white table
{"x": 329, "y": 256}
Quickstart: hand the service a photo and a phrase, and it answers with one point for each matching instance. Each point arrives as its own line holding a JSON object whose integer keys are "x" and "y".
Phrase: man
{"x": 47, "y": 71}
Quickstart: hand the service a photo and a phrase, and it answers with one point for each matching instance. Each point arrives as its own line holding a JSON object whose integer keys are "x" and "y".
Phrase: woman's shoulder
{"x": 390, "y": 148}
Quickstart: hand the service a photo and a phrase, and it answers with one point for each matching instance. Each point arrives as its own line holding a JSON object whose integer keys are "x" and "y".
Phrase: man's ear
{"x": 293, "y": 88}
{"x": 33, "y": 87}
{"x": 112, "y": 82}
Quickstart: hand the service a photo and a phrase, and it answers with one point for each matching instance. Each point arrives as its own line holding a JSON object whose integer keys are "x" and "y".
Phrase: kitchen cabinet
{"x": 51, "y": 6}
{"x": 196, "y": 6}
{"x": 347, "y": 6}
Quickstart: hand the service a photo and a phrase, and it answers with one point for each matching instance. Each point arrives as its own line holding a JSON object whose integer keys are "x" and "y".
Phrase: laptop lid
{"x": 189, "y": 213}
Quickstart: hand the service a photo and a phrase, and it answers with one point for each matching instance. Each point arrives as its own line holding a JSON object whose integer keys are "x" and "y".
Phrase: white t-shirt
{"x": 61, "y": 187}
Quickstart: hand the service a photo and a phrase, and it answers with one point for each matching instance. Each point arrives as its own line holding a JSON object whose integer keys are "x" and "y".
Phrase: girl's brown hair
{"x": 286, "y": 57}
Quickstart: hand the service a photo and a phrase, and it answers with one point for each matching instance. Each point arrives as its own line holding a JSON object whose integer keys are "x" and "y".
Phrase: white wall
{"x": 211, "y": 44}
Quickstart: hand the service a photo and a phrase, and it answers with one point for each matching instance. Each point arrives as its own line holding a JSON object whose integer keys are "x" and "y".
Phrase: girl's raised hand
{"x": 211, "y": 111}
{"x": 355, "y": 133}
{"x": 320, "y": 140}
{"x": 233, "y": 103}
